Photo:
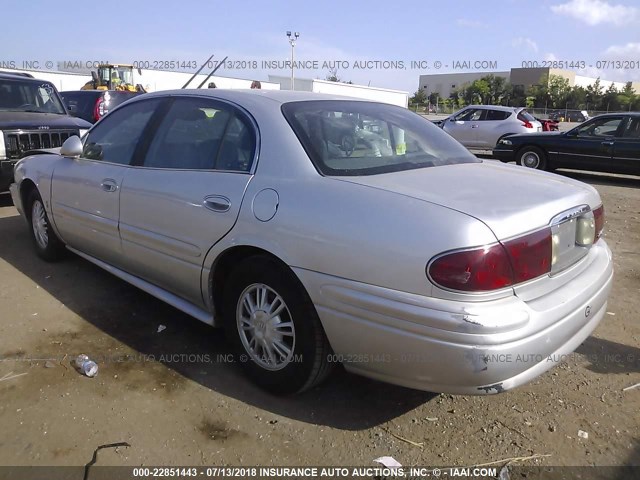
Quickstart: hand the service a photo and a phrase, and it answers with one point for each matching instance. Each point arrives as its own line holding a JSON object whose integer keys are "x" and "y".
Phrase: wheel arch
{"x": 224, "y": 265}
{"x": 26, "y": 187}
{"x": 540, "y": 147}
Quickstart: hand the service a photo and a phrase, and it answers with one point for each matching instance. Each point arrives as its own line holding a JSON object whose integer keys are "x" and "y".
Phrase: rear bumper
{"x": 454, "y": 347}
{"x": 504, "y": 155}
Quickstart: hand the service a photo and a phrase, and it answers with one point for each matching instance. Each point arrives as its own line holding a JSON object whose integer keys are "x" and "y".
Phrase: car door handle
{"x": 607, "y": 144}
{"x": 109, "y": 185}
{"x": 217, "y": 203}
{"x": 475, "y": 126}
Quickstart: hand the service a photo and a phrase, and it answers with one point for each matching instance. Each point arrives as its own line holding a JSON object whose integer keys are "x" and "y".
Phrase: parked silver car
{"x": 481, "y": 126}
{"x": 395, "y": 252}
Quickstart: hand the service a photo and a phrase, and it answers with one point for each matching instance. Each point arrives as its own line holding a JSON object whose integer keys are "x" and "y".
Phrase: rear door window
{"x": 202, "y": 134}
{"x": 497, "y": 115}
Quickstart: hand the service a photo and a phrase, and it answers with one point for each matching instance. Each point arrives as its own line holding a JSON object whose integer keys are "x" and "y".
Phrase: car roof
{"x": 500, "y": 108}
{"x": 268, "y": 96}
{"x": 617, "y": 114}
{"x": 16, "y": 75}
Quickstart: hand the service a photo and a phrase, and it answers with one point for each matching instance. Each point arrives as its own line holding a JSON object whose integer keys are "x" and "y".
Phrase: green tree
{"x": 594, "y": 95}
{"x": 610, "y": 99}
{"x": 576, "y": 99}
{"x": 498, "y": 89}
{"x": 477, "y": 92}
{"x": 418, "y": 98}
{"x": 626, "y": 97}
{"x": 558, "y": 91}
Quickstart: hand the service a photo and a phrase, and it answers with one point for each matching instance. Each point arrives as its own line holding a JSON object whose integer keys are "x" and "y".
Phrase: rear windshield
{"x": 525, "y": 116}
{"x": 347, "y": 138}
{"x": 29, "y": 96}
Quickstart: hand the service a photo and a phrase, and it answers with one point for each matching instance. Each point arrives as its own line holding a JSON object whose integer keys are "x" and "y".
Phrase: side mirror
{"x": 72, "y": 147}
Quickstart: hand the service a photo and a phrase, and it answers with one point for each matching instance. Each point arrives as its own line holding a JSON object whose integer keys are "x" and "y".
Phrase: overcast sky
{"x": 507, "y": 32}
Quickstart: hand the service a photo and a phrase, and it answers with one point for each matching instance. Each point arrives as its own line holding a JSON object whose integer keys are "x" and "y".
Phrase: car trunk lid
{"x": 510, "y": 200}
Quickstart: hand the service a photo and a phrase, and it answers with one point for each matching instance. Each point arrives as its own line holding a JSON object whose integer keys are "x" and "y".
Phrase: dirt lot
{"x": 175, "y": 411}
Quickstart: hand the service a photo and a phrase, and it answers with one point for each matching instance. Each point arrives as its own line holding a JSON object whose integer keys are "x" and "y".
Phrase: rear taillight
{"x": 494, "y": 267}
{"x": 477, "y": 270}
{"x": 99, "y": 109}
{"x": 598, "y": 216}
{"x": 530, "y": 255}
{"x": 527, "y": 124}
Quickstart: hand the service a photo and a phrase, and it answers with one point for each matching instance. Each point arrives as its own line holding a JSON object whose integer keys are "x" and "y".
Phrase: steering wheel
{"x": 348, "y": 144}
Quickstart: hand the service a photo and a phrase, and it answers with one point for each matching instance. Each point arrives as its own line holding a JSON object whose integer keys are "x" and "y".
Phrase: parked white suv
{"x": 481, "y": 126}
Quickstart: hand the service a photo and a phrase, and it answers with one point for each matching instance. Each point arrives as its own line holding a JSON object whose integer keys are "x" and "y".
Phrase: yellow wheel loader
{"x": 113, "y": 77}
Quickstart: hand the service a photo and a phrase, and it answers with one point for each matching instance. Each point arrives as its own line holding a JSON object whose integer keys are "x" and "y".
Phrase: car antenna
{"x": 195, "y": 74}
{"x": 213, "y": 71}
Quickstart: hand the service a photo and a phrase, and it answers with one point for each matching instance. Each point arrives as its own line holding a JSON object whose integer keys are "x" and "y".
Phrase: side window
{"x": 471, "y": 115}
{"x": 116, "y": 137}
{"x": 200, "y": 134}
{"x": 633, "y": 129}
{"x": 497, "y": 115}
{"x": 601, "y": 127}
{"x": 238, "y": 147}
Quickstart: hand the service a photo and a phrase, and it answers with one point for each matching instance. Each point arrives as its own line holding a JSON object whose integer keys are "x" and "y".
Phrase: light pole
{"x": 292, "y": 41}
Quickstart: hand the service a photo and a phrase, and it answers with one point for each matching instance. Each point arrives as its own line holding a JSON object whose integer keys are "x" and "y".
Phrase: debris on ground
{"x": 388, "y": 462}
{"x": 161, "y": 328}
{"x": 583, "y": 434}
{"x": 86, "y": 366}
{"x": 631, "y": 387}
{"x": 406, "y": 440}
{"x": 11, "y": 376}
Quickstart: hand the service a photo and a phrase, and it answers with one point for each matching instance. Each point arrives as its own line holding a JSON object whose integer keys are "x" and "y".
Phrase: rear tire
{"x": 532, "y": 157}
{"x": 274, "y": 327}
{"x": 47, "y": 244}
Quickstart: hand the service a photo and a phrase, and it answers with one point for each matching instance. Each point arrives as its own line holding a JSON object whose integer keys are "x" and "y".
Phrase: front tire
{"x": 274, "y": 327}
{"x": 532, "y": 157}
{"x": 47, "y": 244}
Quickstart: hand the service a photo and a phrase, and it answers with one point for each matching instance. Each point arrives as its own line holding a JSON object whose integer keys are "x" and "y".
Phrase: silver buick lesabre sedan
{"x": 318, "y": 229}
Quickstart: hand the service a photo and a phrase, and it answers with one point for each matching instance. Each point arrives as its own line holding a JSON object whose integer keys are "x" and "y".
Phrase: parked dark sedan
{"x": 92, "y": 105}
{"x": 606, "y": 143}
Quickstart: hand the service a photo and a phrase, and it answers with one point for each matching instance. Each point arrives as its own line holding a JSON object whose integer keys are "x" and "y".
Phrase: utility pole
{"x": 292, "y": 41}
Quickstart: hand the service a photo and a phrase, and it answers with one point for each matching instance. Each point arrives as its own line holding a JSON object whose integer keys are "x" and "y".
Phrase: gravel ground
{"x": 172, "y": 397}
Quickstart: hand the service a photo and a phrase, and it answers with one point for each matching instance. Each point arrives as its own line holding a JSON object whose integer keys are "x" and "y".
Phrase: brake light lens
{"x": 530, "y": 255}
{"x": 598, "y": 215}
{"x": 527, "y": 124}
{"x": 477, "y": 270}
{"x": 99, "y": 109}
{"x": 494, "y": 267}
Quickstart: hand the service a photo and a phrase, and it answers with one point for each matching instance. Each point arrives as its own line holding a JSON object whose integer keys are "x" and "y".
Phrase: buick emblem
{"x": 587, "y": 311}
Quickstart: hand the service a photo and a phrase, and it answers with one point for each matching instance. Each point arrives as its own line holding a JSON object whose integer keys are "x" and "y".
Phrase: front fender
{"x": 37, "y": 169}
